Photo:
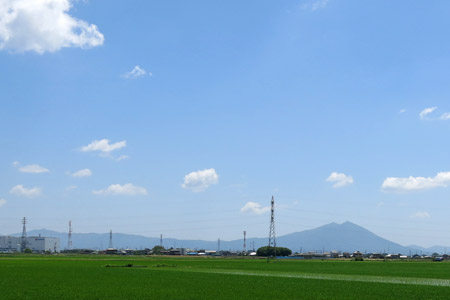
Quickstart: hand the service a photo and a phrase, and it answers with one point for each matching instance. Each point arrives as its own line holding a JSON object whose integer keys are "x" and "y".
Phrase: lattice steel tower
{"x": 110, "y": 239}
{"x": 23, "y": 243}
{"x": 272, "y": 240}
{"x": 245, "y": 241}
{"x": 69, "y": 237}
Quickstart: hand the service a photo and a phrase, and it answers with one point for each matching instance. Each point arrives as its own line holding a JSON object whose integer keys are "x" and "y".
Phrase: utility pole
{"x": 272, "y": 239}
{"x": 23, "y": 244}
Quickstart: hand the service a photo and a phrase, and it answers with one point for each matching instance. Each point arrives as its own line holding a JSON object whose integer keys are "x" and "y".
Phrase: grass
{"x": 88, "y": 277}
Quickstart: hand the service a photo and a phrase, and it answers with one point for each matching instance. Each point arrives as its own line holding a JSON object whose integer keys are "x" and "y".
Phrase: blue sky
{"x": 184, "y": 118}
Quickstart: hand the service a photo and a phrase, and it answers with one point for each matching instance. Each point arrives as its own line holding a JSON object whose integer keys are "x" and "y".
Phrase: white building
{"x": 41, "y": 244}
{"x": 36, "y": 244}
{"x": 9, "y": 244}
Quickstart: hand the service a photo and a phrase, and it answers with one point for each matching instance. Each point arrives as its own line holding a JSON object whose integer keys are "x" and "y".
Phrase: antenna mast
{"x": 272, "y": 240}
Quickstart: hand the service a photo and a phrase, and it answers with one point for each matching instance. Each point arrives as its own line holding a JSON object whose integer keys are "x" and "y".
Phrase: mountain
{"x": 341, "y": 237}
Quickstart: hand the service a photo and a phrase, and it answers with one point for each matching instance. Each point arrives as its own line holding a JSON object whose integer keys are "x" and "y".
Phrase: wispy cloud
{"x": 314, "y": 5}
{"x": 36, "y": 169}
{"x": 103, "y": 146}
{"x": 340, "y": 179}
{"x": 71, "y": 187}
{"x": 136, "y": 73}
{"x": 200, "y": 180}
{"x": 2, "y": 202}
{"x": 425, "y": 112}
{"x": 399, "y": 184}
{"x": 256, "y": 208}
{"x": 420, "y": 215}
{"x": 44, "y": 26}
{"x": 20, "y": 190}
{"x": 402, "y": 110}
{"x": 124, "y": 190}
{"x": 82, "y": 173}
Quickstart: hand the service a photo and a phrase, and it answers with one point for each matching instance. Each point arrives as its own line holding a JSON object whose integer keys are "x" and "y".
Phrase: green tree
{"x": 270, "y": 251}
{"x": 28, "y": 251}
{"x": 157, "y": 249}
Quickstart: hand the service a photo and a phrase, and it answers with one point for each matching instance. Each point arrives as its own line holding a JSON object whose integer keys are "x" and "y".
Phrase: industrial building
{"x": 37, "y": 244}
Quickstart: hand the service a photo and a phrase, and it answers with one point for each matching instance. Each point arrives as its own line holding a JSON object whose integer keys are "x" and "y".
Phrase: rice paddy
{"x": 129, "y": 277}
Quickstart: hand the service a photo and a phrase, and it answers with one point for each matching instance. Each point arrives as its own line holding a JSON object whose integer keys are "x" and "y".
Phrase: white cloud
{"x": 82, "y": 173}
{"x": 421, "y": 215}
{"x": 411, "y": 183}
{"x": 122, "y": 157}
{"x": 136, "y": 73}
{"x": 200, "y": 180}
{"x": 126, "y": 190}
{"x": 423, "y": 114}
{"x": 402, "y": 110}
{"x": 44, "y": 26}
{"x": 71, "y": 187}
{"x": 314, "y": 5}
{"x": 445, "y": 116}
{"x": 15, "y": 163}
{"x": 103, "y": 146}
{"x": 20, "y": 190}
{"x": 340, "y": 179}
{"x": 256, "y": 208}
{"x": 2, "y": 202}
{"x": 319, "y": 4}
{"x": 33, "y": 169}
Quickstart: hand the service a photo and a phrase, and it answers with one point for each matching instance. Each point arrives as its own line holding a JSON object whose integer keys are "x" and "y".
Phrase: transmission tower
{"x": 245, "y": 241}
{"x": 69, "y": 237}
{"x": 218, "y": 244}
{"x": 23, "y": 244}
{"x": 272, "y": 240}
{"x": 160, "y": 240}
{"x": 110, "y": 239}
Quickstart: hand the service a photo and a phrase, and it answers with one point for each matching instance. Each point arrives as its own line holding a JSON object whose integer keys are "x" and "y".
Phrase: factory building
{"x": 9, "y": 244}
{"x": 36, "y": 244}
{"x": 40, "y": 244}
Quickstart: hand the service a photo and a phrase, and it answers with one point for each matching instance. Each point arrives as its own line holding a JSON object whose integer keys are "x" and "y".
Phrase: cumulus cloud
{"x": 2, "y": 202}
{"x": 20, "y": 190}
{"x": 103, "y": 146}
{"x": 36, "y": 169}
{"x": 424, "y": 113}
{"x": 124, "y": 190}
{"x": 44, "y": 26}
{"x": 136, "y": 73}
{"x": 411, "y": 183}
{"x": 82, "y": 173}
{"x": 200, "y": 180}
{"x": 420, "y": 215}
{"x": 340, "y": 179}
{"x": 256, "y": 208}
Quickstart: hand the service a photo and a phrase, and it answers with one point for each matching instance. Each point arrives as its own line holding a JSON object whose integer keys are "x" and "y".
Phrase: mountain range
{"x": 341, "y": 237}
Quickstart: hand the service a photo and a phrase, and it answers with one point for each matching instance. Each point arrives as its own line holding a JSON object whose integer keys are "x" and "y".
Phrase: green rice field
{"x": 130, "y": 277}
